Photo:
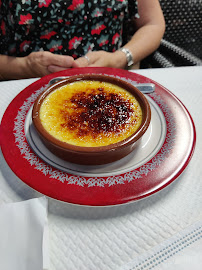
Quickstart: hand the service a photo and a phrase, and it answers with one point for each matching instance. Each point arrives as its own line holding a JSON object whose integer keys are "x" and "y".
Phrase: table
{"x": 106, "y": 238}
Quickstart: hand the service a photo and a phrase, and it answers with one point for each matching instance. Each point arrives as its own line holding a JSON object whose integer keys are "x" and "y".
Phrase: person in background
{"x": 40, "y": 37}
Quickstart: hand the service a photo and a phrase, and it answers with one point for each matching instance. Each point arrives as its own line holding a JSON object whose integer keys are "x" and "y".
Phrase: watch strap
{"x": 129, "y": 56}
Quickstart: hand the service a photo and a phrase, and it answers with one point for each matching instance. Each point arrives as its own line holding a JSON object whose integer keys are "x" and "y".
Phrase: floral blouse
{"x": 71, "y": 27}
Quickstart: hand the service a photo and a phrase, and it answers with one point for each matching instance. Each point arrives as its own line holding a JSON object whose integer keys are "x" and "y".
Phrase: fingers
{"x": 43, "y": 63}
{"x": 74, "y": 64}
{"x": 81, "y": 62}
{"x": 53, "y": 68}
{"x": 64, "y": 61}
{"x": 94, "y": 59}
{"x": 38, "y": 64}
{"x": 96, "y": 65}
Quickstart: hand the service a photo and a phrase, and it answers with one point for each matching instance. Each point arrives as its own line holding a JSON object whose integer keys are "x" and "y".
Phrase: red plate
{"x": 165, "y": 151}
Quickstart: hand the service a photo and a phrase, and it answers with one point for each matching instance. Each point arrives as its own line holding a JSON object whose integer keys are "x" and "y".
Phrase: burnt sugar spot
{"x": 97, "y": 112}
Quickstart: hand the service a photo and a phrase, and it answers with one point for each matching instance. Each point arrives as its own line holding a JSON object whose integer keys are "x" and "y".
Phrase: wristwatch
{"x": 129, "y": 56}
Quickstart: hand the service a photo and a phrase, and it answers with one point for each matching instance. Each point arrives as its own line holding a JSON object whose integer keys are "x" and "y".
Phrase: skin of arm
{"x": 150, "y": 28}
{"x": 36, "y": 64}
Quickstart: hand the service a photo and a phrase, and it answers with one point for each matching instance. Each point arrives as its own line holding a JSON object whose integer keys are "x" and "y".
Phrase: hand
{"x": 38, "y": 64}
{"x": 103, "y": 59}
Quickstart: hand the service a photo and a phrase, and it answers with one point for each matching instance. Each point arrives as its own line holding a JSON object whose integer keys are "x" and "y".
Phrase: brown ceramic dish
{"x": 92, "y": 155}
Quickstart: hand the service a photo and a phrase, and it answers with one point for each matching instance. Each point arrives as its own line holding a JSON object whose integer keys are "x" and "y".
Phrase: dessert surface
{"x": 90, "y": 113}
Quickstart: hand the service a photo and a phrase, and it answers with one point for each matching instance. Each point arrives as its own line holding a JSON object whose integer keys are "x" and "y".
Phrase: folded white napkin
{"x": 181, "y": 252}
{"x": 24, "y": 235}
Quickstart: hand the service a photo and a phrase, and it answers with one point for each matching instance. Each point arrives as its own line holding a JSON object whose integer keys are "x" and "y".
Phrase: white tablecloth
{"x": 107, "y": 238}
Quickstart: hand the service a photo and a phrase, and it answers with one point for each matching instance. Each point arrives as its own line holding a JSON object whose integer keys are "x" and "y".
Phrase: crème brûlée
{"x": 90, "y": 113}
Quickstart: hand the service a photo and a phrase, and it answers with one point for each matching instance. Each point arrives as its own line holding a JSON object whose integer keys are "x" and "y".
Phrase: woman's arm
{"x": 36, "y": 64}
{"x": 149, "y": 28}
{"x": 10, "y": 68}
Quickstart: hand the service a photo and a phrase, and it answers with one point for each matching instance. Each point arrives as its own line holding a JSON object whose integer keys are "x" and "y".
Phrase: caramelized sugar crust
{"x": 90, "y": 113}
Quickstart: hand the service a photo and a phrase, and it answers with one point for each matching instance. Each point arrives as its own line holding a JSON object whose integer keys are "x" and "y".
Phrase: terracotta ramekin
{"x": 92, "y": 155}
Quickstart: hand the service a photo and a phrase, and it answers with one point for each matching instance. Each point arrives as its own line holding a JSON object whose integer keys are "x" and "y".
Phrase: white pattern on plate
{"x": 97, "y": 177}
